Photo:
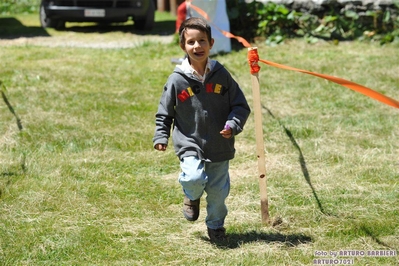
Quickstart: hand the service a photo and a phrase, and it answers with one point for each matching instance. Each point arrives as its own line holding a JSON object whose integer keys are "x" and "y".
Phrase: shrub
{"x": 275, "y": 22}
{"x": 8, "y": 7}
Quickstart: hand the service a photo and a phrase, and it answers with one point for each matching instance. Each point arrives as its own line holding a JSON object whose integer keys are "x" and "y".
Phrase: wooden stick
{"x": 260, "y": 150}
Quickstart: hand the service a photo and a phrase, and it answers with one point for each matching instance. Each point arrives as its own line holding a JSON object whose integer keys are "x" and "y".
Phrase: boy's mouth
{"x": 199, "y": 54}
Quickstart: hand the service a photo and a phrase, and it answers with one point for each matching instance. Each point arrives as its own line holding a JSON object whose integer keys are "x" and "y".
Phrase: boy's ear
{"x": 212, "y": 42}
{"x": 182, "y": 46}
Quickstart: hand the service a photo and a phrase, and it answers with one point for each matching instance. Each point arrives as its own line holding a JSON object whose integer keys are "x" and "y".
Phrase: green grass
{"x": 95, "y": 192}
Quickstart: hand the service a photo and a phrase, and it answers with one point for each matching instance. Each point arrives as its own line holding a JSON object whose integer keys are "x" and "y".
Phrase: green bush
{"x": 274, "y": 23}
{"x": 10, "y": 7}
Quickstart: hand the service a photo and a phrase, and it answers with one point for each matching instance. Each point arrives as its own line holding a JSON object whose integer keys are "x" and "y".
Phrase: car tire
{"x": 146, "y": 23}
{"x": 47, "y": 22}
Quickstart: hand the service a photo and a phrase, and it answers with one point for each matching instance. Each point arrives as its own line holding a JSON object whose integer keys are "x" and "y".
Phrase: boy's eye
{"x": 192, "y": 42}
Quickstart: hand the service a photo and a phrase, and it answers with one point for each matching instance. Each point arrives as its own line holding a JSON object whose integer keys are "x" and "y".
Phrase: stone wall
{"x": 318, "y": 6}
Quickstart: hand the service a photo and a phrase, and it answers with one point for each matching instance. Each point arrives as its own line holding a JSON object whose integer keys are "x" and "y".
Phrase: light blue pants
{"x": 198, "y": 176}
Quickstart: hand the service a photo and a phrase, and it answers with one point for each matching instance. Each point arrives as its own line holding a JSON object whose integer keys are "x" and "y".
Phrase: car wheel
{"x": 146, "y": 23}
{"x": 47, "y": 22}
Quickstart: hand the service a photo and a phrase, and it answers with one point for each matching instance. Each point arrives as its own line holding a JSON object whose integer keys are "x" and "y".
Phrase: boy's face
{"x": 197, "y": 46}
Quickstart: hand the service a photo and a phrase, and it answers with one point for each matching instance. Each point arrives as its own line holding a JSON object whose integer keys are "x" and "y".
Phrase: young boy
{"x": 207, "y": 109}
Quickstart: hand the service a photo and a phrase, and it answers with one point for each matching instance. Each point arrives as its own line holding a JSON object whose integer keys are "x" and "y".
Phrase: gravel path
{"x": 88, "y": 40}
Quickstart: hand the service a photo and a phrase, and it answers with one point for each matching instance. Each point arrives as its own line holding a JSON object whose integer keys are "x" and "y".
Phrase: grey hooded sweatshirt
{"x": 198, "y": 111}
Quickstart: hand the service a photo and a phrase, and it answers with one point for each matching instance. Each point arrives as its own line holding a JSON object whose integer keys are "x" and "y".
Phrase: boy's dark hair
{"x": 194, "y": 23}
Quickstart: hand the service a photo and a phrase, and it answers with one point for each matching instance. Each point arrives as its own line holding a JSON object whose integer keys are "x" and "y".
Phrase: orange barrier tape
{"x": 225, "y": 33}
{"x": 346, "y": 83}
{"x": 199, "y": 11}
{"x": 253, "y": 59}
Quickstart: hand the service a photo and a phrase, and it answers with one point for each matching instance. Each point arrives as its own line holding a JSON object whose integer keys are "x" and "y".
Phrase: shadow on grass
{"x": 161, "y": 28}
{"x": 3, "y": 90}
{"x": 6, "y": 179}
{"x": 302, "y": 162}
{"x": 235, "y": 240}
{"x": 4, "y": 174}
{"x": 375, "y": 238}
{"x": 12, "y": 28}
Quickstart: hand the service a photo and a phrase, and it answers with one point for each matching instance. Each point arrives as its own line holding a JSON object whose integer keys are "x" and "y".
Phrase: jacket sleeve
{"x": 165, "y": 116}
{"x": 240, "y": 109}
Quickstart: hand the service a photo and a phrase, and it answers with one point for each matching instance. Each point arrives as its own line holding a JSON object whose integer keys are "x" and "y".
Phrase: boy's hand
{"x": 226, "y": 133}
{"x": 160, "y": 147}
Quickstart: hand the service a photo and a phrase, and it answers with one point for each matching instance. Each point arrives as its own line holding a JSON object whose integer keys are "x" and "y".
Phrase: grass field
{"x": 82, "y": 185}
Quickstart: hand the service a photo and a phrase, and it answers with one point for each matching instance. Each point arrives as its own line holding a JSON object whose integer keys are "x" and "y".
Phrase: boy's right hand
{"x": 160, "y": 147}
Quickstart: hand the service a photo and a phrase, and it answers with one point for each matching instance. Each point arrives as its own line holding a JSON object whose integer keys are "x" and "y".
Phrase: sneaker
{"x": 217, "y": 235}
{"x": 191, "y": 209}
